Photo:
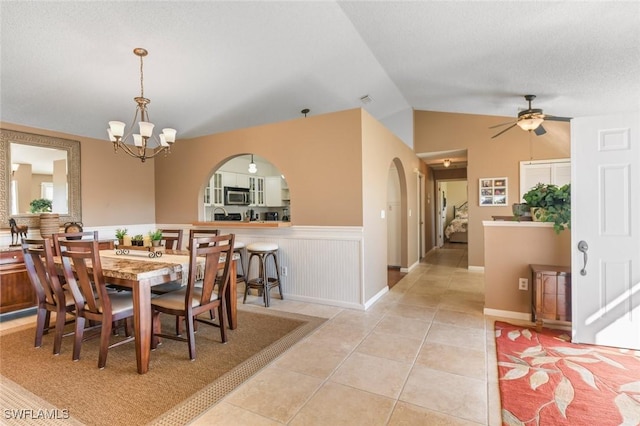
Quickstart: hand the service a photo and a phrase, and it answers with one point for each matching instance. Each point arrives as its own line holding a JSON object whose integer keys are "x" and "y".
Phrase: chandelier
{"x": 140, "y": 140}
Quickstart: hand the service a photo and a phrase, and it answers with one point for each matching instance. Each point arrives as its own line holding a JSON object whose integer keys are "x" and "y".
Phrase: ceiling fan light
{"x": 530, "y": 123}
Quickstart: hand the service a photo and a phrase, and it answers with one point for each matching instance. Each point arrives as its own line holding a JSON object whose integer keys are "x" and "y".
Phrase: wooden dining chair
{"x": 172, "y": 238}
{"x": 94, "y": 303}
{"x": 194, "y": 300}
{"x": 51, "y": 297}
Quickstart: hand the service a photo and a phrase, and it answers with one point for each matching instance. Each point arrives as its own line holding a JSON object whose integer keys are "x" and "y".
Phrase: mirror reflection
{"x": 247, "y": 188}
{"x": 38, "y": 180}
{"x": 38, "y": 174}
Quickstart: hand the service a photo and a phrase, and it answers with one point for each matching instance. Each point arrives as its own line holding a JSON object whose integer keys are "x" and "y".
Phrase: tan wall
{"x": 509, "y": 250}
{"x": 115, "y": 188}
{"x": 320, "y": 157}
{"x": 500, "y": 157}
{"x": 381, "y": 148}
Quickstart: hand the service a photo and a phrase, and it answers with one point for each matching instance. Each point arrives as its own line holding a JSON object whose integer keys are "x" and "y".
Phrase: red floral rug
{"x": 547, "y": 380}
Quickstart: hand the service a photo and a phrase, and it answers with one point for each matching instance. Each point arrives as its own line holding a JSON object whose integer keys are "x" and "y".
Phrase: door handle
{"x": 583, "y": 247}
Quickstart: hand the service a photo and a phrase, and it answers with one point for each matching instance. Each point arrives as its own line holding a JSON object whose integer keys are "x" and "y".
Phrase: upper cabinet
{"x": 277, "y": 192}
{"x": 213, "y": 192}
{"x": 235, "y": 180}
{"x": 256, "y": 191}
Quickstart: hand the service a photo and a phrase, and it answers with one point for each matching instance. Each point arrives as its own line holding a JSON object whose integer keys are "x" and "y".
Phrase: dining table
{"x": 140, "y": 272}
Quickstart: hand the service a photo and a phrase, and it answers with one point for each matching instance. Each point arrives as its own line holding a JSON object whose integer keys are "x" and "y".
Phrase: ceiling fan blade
{"x": 539, "y": 131}
{"x": 554, "y": 118}
{"x": 502, "y": 124}
{"x": 510, "y": 127}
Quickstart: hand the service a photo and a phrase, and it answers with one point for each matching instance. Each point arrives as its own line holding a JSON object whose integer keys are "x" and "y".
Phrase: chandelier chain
{"x": 141, "y": 79}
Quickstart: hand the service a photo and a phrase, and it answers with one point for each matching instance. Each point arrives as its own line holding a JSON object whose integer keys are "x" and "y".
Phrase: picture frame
{"x": 493, "y": 192}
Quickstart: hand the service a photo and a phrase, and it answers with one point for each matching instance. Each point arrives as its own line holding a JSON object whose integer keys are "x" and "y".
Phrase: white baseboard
{"x": 375, "y": 298}
{"x": 328, "y": 302}
{"x": 475, "y": 268}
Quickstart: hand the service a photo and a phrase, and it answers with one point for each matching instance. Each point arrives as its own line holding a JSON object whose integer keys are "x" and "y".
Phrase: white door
{"x": 605, "y": 222}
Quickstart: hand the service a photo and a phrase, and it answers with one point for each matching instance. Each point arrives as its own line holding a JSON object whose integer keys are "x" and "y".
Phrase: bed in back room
{"x": 456, "y": 230}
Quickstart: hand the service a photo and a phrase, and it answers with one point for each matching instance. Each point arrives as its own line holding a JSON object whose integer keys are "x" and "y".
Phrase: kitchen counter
{"x": 243, "y": 224}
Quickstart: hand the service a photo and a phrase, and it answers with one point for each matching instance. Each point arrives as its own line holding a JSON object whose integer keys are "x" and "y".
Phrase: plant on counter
{"x": 120, "y": 233}
{"x": 40, "y": 205}
{"x": 551, "y": 203}
{"x": 155, "y": 237}
{"x": 137, "y": 240}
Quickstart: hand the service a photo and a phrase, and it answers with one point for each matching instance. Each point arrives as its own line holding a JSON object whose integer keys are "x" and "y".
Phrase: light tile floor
{"x": 424, "y": 354}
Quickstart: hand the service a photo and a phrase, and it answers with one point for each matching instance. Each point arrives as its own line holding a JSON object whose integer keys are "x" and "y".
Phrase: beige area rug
{"x": 36, "y": 383}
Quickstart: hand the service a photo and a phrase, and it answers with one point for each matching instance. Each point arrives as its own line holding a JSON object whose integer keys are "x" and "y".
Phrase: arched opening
{"x": 396, "y": 222}
{"x": 246, "y": 187}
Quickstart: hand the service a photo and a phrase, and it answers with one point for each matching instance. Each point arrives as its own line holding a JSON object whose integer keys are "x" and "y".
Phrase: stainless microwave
{"x": 236, "y": 196}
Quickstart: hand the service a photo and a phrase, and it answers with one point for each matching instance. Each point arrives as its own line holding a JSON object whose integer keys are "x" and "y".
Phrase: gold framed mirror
{"x": 63, "y": 156}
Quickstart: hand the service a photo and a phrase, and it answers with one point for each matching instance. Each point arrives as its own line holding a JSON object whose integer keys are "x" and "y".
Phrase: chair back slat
{"x": 201, "y": 233}
{"x": 172, "y": 238}
{"x": 214, "y": 250}
{"x": 83, "y": 272}
{"x": 86, "y": 235}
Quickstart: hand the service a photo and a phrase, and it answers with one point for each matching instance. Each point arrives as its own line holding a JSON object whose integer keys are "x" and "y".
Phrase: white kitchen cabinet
{"x": 216, "y": 189}
{"x": 235, "y": 180}
{"x": 256, "y": 191}
{"x": 229, "y": 179}
{"x": 274, "y": 192}
{"x": 242, "y": 181}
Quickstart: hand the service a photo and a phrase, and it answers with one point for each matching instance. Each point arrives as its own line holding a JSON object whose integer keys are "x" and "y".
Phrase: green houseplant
{"x": 40, "y": 205}
{"x": 551, "y": 203}
{"x": 155, "y": 237}
{"x": 120, "y": 233}
{"x": 137, "y": 240}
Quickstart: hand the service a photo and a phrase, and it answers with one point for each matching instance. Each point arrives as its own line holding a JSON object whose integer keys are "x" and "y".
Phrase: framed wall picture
{"x": 493, "y": 191}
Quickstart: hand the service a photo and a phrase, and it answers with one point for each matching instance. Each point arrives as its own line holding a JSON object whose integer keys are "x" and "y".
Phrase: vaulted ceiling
{"x": 215, "y": 66}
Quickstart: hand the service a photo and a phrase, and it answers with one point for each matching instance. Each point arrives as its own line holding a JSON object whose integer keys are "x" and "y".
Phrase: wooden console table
{"x": 551, "y": 298}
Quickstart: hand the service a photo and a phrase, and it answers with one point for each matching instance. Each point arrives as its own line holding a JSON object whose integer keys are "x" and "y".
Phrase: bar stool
{"x": 263, "y": 251}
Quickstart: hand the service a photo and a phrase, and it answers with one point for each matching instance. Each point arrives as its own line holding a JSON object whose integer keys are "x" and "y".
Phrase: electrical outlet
{"x": 523, "y": 284}
{"x": 285, "y": 271}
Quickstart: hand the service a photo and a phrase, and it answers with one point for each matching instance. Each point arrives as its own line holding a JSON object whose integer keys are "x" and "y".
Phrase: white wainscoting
{"x": 324, "y": 264}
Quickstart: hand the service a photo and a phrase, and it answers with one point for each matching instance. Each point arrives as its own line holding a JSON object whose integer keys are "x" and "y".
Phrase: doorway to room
{"x": 451, "y": 211}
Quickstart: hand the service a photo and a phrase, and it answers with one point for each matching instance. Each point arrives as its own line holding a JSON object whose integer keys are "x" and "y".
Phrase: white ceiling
{"x": 214, "y": 66}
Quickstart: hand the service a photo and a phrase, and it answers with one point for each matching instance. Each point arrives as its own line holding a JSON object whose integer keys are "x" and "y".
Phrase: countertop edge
{"x": 241, "y": 224}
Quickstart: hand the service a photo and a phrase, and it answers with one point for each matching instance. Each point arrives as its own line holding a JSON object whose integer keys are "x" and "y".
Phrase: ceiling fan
{"x": 529, "y": 119}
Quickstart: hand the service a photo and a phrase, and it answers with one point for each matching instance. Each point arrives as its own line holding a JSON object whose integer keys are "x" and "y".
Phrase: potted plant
{"x": 155, "y": 237}
{"x": 137, "y": 240}
{"x": 40, "y": 205}
{"x": 120, "y": 233}
{"x": 550, "y": 203}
